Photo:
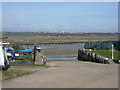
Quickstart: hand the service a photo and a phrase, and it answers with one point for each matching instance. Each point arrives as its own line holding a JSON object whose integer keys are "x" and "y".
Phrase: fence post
{"x": 112, "y": 51}
{"x": 34, "y": 54}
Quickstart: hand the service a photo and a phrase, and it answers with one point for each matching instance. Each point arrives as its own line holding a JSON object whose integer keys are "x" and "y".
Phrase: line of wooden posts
{"x": 85, "y": 55}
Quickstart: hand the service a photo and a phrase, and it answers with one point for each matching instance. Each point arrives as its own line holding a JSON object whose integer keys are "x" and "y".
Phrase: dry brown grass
{"x": 56, "y": 39}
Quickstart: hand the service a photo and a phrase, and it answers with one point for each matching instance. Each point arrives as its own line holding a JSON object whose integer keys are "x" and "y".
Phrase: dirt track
{"x": 69, "y": 74}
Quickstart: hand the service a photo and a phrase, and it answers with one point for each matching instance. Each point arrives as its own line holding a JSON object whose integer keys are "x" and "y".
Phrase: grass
{"x": 108, "y": 53}
{"x": 30, "y": 40}
{"x": 14, "y": 72}
{"x": 27, "y": 57}
{"x": 26, "y": 64}
{"x": 20, "y": 69}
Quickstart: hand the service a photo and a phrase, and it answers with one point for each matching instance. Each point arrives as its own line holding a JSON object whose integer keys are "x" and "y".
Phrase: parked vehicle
{"x": 4, "y": 63}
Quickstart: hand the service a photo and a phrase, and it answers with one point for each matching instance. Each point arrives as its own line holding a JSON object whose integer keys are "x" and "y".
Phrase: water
{"x": 65, "y": 52}
{"x": 62, "y": 57}
{"x": 32, "y": 46}
{"x": 45, "y": 46}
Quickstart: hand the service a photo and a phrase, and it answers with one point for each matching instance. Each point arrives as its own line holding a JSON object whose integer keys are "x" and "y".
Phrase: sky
{"x": 60, "y": 16}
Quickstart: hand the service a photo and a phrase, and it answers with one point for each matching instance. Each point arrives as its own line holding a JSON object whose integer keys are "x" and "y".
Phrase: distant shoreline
{"x": 7, "y": 33}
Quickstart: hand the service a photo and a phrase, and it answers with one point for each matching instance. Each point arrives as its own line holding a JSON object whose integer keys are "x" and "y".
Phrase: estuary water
{"x": 66, "y": 52}
{"x": 56, "y": 52}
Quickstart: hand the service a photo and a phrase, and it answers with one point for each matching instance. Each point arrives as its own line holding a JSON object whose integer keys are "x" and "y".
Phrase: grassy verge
{"x": 13, "y": 72}
{"x": 27, "y": 64}
{"x": 20, "y": 69}
{"x": 108, "y": 53}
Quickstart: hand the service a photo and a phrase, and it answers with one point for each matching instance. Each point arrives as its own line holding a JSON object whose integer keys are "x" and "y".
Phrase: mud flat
{"x": 62, "y": 52}
{"x": 59, "y": 39}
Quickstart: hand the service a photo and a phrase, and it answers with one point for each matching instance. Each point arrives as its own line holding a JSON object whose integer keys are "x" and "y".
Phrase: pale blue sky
{"x": 60, "y": 16}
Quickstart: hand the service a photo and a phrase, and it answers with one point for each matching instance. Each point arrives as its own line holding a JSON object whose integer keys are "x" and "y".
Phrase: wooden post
{"x": 34, "y": 54}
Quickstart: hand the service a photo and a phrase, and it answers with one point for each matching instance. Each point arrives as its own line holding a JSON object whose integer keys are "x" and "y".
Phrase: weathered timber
{"x": 85, "y": 55}
{"x": 38, "y": 57}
